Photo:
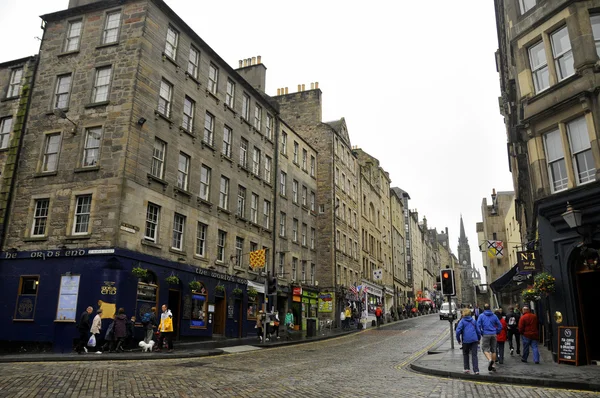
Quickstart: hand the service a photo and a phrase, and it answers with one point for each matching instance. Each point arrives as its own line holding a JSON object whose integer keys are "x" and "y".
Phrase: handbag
{"x": 92, "y": 341}
{"x": 272, "y": 323}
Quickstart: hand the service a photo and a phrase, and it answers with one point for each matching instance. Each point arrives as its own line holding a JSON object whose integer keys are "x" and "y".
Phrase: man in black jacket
{"x": 512, "y": 321}
{"x": 84, "y": 330}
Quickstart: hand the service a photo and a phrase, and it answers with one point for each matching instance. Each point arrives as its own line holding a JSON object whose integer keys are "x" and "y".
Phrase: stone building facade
{"x": 398, "y": 234}
{"x": 548, "y": 64}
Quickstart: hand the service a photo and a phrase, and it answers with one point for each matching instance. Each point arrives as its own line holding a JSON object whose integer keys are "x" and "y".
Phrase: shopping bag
{"x": 92, "y": 341}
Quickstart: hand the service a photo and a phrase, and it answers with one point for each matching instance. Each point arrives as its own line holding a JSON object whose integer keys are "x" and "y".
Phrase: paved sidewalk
{"x": 443, "y": 361}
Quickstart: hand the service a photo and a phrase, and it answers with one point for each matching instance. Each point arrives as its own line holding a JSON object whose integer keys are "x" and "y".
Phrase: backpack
{"x": 146, "y": 318}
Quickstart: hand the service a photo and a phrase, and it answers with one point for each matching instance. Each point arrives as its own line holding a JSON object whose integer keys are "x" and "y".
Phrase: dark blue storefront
{"x": 44, "y": 293}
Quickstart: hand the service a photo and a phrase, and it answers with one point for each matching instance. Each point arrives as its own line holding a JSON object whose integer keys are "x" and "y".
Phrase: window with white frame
{"x": 40, "y": 217}
{"x": 205, "y": 173}
{"x": 256, "y": 155}
{"x": 526, "y": 5}
{"x": 312, "y": 273}
{"x": 213, "y": 78}
{"x": 73, "y": 36}
{"x": 561, "y": 51}
{"x": 281, "y": 265}
{"x": 313, "y": 234}
{"x": 294, "y": 268}
{"x": 230, "y": 93}
{"x": 81, "y": 219}
{"x": 111, "y": 27}
{"x": 267, "y": 214}
{"x": 164, "y": 98}
{"x": 152, "y": 217}
{"x": 312, "y": 201}
{"x": 313, "y": 165}
{"x": 254, "y": 208}
{"x": 269, "y": 128}
{"x": 189, "y": 108}
{"x": 304, "y": 196}
{"x": 257, "y": 117}
{"x": 178, "y": 230}
{"x": 239, "y": 251}
{"x": 62, "y": 92}
{"x": 158, "y": 158}
{"x": 51, "y": 150}
{"x": 246, "y": 107}
{"x": 595, "y": 20}
{"x": 539, "y": 67}
{"x": 581, "y": 151}
{"x": 282, "y": 222}
{"x": 295, "y": 158}
{"x": 268, "y": 164}
{"x": 295, "y": 230}
{"x": 183, "y": 171}
{"x": 101, "y": 84}
{"x": 244, "y": 153}
{"x": 304, "y": 159}
{"x": 555, "y": 157}
{"x": 294, "y": 191}
{"x": 224, "y": 193}
{"x": 241, "y": 202}
{"x": 227, "y": 137}
{"x": 171, "y": 43}
{"x": 282, "y": 183}
{"x": 304, "y": 232}
{"x": 14, "y": 84}
{"x": 201, "y": 239}
{"x": 91, "y": 149}
{"x": 303, "y": 271}
{"x": 193, "y": 62}
{"x": 209, "y": 128}
{"x": 284, "y": 143}
{"x": 221, "y": 239}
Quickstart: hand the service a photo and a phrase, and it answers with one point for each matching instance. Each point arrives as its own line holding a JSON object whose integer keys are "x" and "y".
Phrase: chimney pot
{"x": 286, "y": 90}
{"x": 278, "y": 91}
{"x": 258, "y": 59}
{"x": 253, "y": 60}
{"x": 316, "y": 84}
{"x": 303, "y": 87}
{"x": 312, "y": 86}
{"x": 241, "y": 63}
{"x": 245, "y": 62}
{"x": 299, "y": 87}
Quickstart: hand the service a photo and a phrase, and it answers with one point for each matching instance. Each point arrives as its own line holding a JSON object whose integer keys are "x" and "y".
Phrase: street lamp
{"x": 61, "y": 114}
{"x": 572, "y": 217}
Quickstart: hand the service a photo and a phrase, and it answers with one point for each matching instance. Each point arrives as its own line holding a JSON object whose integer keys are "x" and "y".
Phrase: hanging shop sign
{"x": 528, "y": 261}
{"x": 326, "y": 301}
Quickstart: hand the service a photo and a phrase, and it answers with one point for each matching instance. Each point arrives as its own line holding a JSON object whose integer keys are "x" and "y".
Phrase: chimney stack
{"x": 241, "y": 63}
{"x": 299, "y": 87}
{"x": 258, "y": 59}
{"x": 278, "y": 91}
{"x": 303, "y": 87}
{"x": 286, "y": 90}
{"x": 312, "y": 86}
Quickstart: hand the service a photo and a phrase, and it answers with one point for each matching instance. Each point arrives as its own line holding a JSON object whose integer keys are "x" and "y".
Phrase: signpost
{"x": 568, "y": 341}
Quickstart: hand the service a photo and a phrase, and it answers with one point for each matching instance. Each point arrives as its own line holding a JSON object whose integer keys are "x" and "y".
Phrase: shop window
{"x": 147, "y": 294}
{"x": 199, "y": 314}
{"x": 252, "y": 307}
{"x": 27, "y": 297}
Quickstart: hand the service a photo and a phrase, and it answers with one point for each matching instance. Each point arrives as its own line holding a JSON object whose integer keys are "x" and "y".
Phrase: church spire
{"x": 464, "y": 251}
{"x": 463, "y": 236}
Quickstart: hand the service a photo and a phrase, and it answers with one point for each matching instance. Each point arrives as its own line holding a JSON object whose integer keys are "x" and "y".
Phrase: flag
{"x": 495, "y": 249}
{"x": 353, "y": 289}
{"x": 258, "y": 258}
{"x": 365, "y": 289}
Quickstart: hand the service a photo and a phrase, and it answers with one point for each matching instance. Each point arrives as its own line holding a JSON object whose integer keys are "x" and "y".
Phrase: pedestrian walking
{"x": 501, "y": 337}
{"x": 259, "y": 325}
{"x": 348, "y": 315}
{"x": 489, "y": 326}
{"x": 149, "y": 323}
{"x": 289, "y": 324}
{"x": 96, "y": 328}
{"x": 468, "y": 334}
{"x": 528, "y": 327}
{"x": 84, "y": 330}
{"x": 512, "y": 322}
{"x": 166, "y": 329}
{"x": 120, "y": 331}
{"x": 378, "y": 314}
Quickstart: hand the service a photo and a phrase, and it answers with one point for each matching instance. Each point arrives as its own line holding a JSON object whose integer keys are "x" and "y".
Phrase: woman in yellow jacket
{"x": 166, "y": 328}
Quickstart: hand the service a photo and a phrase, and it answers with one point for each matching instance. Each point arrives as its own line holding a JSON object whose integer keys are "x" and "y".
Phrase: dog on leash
{"x": 146, "y": 347}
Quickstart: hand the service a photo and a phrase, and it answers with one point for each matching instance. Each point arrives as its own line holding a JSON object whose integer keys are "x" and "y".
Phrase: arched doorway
{"x": 585, "y": 264}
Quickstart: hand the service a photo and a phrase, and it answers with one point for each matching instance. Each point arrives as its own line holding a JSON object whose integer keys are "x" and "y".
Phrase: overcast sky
{"x": 415, "y": 80}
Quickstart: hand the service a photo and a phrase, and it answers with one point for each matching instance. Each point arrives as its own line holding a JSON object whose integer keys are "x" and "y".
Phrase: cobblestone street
{"x": 368, "y": 364}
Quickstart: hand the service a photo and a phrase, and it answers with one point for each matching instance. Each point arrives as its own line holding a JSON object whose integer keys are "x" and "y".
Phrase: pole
{"x": 450, "y": 320}
{"x": 264, "y": 314}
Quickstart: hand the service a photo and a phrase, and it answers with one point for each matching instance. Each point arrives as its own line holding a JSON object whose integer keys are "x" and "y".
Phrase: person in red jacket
{"x": 528, "y": 327}
{"x": 501, "y": 336}
{"x": 378, "y": 314}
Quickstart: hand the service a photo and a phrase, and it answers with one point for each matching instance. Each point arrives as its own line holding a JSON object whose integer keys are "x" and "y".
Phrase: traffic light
{"x": 447, "y": 277}
{"x": 438, "y": 283}
{"x": 272, "y": 285}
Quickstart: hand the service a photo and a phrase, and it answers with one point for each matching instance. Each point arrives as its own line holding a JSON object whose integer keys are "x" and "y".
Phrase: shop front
{"x": 256, "y": 298}
{"x": 309, "y": 306}
{"x": 374, "y": 299}
{"x": 53, "y": 287}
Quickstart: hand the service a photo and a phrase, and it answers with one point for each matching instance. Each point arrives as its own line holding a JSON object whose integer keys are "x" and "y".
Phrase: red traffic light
{"x": 445, "y": 275}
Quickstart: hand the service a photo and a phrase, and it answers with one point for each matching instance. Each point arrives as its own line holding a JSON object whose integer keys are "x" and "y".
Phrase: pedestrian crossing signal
{"x": 448, "y": 285}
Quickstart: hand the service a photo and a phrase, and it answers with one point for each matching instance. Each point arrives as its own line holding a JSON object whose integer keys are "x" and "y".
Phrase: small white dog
{"x": 146, "y": 347}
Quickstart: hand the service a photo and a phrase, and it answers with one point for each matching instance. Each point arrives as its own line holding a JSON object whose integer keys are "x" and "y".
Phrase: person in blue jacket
{"x": 468, "y": 334}
{"x": 489, "y": 326}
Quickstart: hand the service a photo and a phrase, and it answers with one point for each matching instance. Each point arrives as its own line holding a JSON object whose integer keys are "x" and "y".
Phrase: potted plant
{"x": 195, "y": 285}
{"x": 544, "y": 283}
{"x": 172, "y": 279}
{"x": 237, "y": 291}
{"x": 252, "y": 293}
{"x": 530, "y": 294}
{"x": 219, "y": 290}
{"x": 139, "y": 272}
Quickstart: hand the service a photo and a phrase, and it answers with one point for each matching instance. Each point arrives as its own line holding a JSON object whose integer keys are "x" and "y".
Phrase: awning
{"x": 259, "y": 287}
{"x": 504, "y": 279}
